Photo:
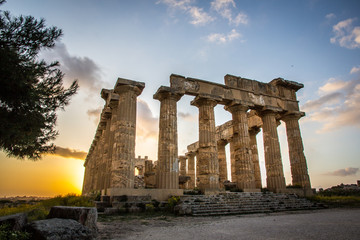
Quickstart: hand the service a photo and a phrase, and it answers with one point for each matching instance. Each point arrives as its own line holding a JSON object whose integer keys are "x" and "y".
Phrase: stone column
{"x": 244, "y": 167}
{"x": 123, "y": 155}
{"x": 168, "y": 166}
{"x": 299, "y": 171}
{"x": 232, "y": 160}
{"x": 255, "y": 156}
{"x": 182, "y": 161}
{"x": 274, "y": 169}
{"x": 222, "y": 163}
{"x": 207, "y": 161}
{"x": 191, "y": 170}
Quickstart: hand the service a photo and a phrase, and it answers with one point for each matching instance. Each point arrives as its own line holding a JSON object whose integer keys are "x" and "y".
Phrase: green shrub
{"x": 149, "y": 207}
{"x": 172, "y": 202}
{"x": 6, "y": 233}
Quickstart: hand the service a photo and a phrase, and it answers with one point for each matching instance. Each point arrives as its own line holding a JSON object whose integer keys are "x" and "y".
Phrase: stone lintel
{"x": 287, "y": 84}
{"x": 165, "y": 92}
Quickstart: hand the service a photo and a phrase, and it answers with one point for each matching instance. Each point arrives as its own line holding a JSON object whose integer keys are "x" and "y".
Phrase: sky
{"x": 314, "y": 42}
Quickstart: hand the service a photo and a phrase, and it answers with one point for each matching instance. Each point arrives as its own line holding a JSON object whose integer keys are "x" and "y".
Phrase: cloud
{"x": 224, "y": 8}
{"x": 95, "y": 113}
{"x": 69, "y": 153}
{"x": 147, "y": 125}
{"x": 198, "y": 15}
{"x": 84, "y": 69}
{"x": 220, "y": 38}
{"x": 330, "y": 16}
{"x": 355, "y": 70}
{"x": 338, "y": 107}
{"x": 187, "y": 117}
{"x": 344, "y": 172}
{"x": 346, "y": 35}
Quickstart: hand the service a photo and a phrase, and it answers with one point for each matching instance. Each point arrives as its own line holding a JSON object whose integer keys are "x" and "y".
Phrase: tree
{"x": 31, "y": 90}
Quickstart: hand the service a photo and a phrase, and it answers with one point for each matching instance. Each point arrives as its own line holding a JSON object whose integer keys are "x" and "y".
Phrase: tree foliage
{"x": 31, "y": 90}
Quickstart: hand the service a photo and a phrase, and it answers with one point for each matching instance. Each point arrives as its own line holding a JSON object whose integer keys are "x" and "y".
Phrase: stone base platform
{"x": 157, "y": 194}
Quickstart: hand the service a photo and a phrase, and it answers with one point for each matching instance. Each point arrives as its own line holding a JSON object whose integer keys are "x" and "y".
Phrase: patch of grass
{"x": 337, "y": 201}
{"x": 41, "y": 209}
{"x": 6, "y": 233}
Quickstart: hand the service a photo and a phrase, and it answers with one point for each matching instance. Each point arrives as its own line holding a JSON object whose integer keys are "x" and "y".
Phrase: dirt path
{"x": 321, "y": 224}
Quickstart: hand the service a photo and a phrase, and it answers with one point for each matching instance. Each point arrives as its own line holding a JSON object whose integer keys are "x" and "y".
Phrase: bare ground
{"x": 320, "y": 224}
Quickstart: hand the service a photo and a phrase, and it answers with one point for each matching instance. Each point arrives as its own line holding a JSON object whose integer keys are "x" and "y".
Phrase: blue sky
{"x": 315, "y": 42}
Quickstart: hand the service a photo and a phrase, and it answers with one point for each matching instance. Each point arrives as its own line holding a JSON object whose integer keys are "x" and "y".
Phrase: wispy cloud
{"x": 355, "y": 70}
{"x": 346, "y": 35}
{"x": 69, "y": 153}
{"x": 222, "y": 38}
{"x": 147, "y": 125}
{"x": 330, "y": 16}
{"x": 339, "y": 105}
{"x": 95, "y": 114}
{"x": 187, "y": 117}
{"x": 198, "y": 15}
{"x": 344, "y": 172}
{"x": 225, "y": 9}
{"x": 84, "y": 69}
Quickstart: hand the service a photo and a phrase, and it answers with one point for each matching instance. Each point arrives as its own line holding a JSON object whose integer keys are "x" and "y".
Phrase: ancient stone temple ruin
{"x": 255, "y": 106}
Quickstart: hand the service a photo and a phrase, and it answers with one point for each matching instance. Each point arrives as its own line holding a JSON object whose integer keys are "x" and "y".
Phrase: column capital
{"x": 222, "y": 142}
{"x": 268, "y": 110}
{"x": 238, "y": 105}
{"x": 126, "y": 88}
{"x": 182, "y": 157}
{"x": 166, "y": 92}
{"x": 294, "y": 115}
{"x": 254, "y": 130}
{"x": 201, "y": 100}
{"x": 190, "y": 154}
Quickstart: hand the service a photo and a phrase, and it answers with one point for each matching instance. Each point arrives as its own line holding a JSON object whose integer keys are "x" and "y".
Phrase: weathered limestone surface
{"x": 244, "y": 166}
{"x": 274, "y": 170}
{"x": 298, "y": 164}
{"x": 222, "y": 162}
{"x": 207, "y": 161}
{"x": 191, "y": 170}
{"x": 123, "y": 154}
{"x": 149, "y": 175}
{"x": 255, "y": 156}
{"x": 168, "y": 166}
{"x": 182, "y": 161}
{"x": 15, "y": 221}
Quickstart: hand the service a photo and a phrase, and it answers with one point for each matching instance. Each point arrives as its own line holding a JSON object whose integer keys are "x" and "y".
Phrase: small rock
{"x": 16, "y": 221}
{"x": 58, "y": 229}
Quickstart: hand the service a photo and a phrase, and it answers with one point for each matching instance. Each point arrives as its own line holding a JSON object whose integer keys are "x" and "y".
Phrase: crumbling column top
{"x": 166, "y": 92}
{"x": 121, "y": 82}
{"x": 203, "y": 99}
{"x": 292, "y": 115}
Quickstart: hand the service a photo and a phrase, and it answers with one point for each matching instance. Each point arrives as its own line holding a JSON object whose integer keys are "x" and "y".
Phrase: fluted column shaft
{"x": 222, "y": 162}
{"x": 191, "y": 170}
{"x": 299, "y": 171}
{"x": 182, "y": 160}
{"x": 255, "y": 156}
{"x": 207, "y": 161}
{"x": 232, "y": 161}
{"x": 244, "y": 167}
{"x": 274, "y": 169}
{"x": 168, "y": 165}
{"x": 123, "y": 154}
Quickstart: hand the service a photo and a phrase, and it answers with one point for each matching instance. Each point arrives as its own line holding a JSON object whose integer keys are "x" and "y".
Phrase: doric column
{"x": 123, "y": 155}
{"x": 191, "y": 170}
{"x": 182, "y": 161}
{"x": 274, "y": 169}
{"x": 255, "y": 156}
{"x": 244, "y": 167}
{"x": 167, "y": 169}
{"x": 222, "y": 162}
{"x": 207, "y": 161}
{"x": 232, "y": 160}
{"x": 299, "y": 171}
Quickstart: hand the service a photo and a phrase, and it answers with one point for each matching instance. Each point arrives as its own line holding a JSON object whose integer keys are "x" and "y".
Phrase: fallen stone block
{"x": 16, "y": 222}
{"x": 87, "y": 216}
{"x": 58, "y": 229}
